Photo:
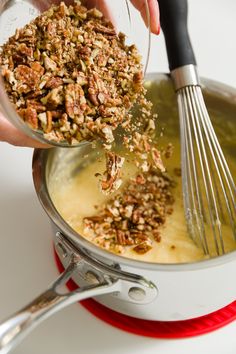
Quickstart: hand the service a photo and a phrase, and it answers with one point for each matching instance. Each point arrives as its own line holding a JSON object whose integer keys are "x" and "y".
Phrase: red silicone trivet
{"x": 157, "y": 329}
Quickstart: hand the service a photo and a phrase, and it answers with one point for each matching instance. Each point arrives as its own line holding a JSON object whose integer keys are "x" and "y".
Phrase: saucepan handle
{"x": 15, "y": 328}
{"x": 102, "y": 279}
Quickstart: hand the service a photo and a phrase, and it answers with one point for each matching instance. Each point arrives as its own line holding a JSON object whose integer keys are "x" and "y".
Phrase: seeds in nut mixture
{"x": 134, "y": 216}
{"x": 71, "y": 77}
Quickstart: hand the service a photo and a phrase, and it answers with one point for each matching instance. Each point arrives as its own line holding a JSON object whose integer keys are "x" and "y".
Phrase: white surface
{"x": 26, "y": 256}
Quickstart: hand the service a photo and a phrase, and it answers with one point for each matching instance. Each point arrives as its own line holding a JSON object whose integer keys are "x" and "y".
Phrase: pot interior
{"x": 73, "y": 186}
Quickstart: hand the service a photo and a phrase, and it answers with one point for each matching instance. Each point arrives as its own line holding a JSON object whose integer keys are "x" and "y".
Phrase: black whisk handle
{"x": 174, "y": 15}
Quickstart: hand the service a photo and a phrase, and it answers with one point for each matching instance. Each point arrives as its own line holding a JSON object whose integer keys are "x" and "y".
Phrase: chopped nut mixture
{"x": 134, "y": 216}
{"x": 70, "y": 75}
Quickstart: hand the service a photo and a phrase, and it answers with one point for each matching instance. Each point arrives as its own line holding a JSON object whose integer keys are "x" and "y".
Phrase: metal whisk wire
{"x": 207, "y": 181}
{"x": 209, "y": 191}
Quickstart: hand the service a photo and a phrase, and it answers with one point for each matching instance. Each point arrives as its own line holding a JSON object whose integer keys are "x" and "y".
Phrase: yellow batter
{"x": 77, "y": 197}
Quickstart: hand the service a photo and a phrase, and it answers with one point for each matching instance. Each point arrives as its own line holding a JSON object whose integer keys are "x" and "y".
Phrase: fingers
{"x": 140, "y": 6}
{"x": 154, "y": 13}
{"x": 11, "y": 135}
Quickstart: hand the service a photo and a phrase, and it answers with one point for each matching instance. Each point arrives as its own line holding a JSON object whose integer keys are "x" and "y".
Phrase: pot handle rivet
{"x": 137, "y": 294}
{"x": 91, "y": 277}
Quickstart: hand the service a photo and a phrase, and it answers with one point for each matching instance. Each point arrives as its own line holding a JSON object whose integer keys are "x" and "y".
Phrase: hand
{"x": 140, "y": 5}
{"x": 154, "y": 13}
{"x": 11, "y": 135}
{"x": 14, "y": 136}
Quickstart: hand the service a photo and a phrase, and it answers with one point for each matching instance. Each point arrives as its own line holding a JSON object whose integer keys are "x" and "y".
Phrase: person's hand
{"x": 154, "y": 13}
{"x": 10, "y": 134}
{"x": 14, "y": 136}
{"x": 140, "y": 6}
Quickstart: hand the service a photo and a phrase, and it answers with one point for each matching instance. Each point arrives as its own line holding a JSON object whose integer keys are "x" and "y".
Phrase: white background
{"x": 26, "y": 255}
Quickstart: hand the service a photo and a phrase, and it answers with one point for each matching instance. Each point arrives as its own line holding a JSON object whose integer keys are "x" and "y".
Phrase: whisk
{"x": 208, "y": 188}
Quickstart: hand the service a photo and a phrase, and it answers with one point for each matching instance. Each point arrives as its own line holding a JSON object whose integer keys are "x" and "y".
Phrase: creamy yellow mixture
{"x": 77, "y": 197}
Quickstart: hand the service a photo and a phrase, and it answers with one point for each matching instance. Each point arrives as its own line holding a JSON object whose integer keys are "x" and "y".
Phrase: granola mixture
{"x": 71, "y": 77}
{"x": 133, "y": 217}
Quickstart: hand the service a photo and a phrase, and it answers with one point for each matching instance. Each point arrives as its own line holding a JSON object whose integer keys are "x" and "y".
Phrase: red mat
{"x": 157, "y": 329}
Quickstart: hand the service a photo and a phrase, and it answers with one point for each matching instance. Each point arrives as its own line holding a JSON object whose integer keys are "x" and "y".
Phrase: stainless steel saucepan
{"x": 164, "y": 292}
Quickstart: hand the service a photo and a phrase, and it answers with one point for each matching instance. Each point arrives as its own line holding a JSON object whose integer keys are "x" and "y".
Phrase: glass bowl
{"x": 15, "y": 14}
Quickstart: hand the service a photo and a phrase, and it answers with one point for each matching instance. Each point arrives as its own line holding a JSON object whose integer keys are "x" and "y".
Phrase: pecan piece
{"x": 74, "y": 100}
{"x": 24, "y": 50}
{"x": 138, "y": 81}
{"x": 29, "y": 115}
{"x": 36, "y": 66}
{"x": 123, "y": 238}
{"x": 157, "y": 235}
{"x": 97, "y": 91}
{"x": 80, "y": 77}
{"x": 80, "y": 11}
{"x": 110, "y": 31}
{"x": 51, "y": 29}
{"x": 49, "y": 63}
{"x": 120, "y": 236}
{"x": 156, "y": 157}
{"x": 85, "y": 52}
{"x": 36, "y": 105}
{"x": 49, "y": 122}
{"x": 93, "y": 90}
{"x": 27, "y": 76}
{"x": 94, "y": 219}
{"x": 142, "y": 248}
{"x": 93, "y": 97}
{"x": 140, "y": 179}
{"x": 55, "y": 98}
{"x": 53, "y": 82}
{"x": 94, "y": 13}
{"x": 169, "y": 151}
{"x": 111, "y": 180}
